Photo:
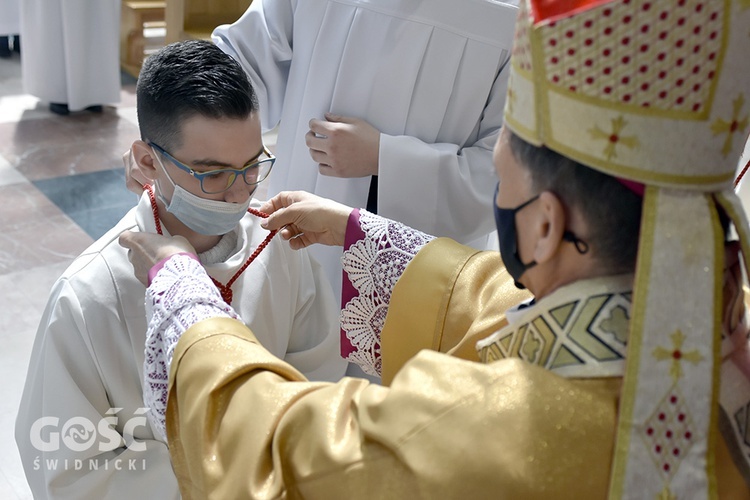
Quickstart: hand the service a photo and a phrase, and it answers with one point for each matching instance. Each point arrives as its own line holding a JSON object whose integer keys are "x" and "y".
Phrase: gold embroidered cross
{"x": 736, "y": 126}
{"x": 677, "y": 355}
{"x": 744, "y": 4}
{"x": 614, "y": 138}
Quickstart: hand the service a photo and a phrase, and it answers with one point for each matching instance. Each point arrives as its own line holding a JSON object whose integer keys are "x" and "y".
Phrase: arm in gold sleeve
{"x": 243, "y": 424}
{"x": 449, "y": 297}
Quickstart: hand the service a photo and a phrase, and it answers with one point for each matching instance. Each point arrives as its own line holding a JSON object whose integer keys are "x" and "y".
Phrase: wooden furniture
{"x": 137, "y": 16}
{"x": 196, "y": 19}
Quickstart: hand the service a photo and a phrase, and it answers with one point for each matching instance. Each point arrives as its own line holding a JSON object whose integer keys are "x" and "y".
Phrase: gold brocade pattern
{"x": 578, "y": 330}
{"x": 244, "y": 424}
{"x": 446, "y": 428}
{"x": 447, "y": 323}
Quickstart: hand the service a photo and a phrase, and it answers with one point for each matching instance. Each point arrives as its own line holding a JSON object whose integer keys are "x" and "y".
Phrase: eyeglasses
{"x": 221, "y": 179}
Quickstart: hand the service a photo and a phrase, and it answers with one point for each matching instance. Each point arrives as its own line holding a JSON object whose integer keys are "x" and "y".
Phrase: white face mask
{"x": 203, "y": 216}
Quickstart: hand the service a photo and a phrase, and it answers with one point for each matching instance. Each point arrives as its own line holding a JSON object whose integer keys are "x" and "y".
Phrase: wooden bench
{"x": 137, "y": 16}
{"x": 196, "y": 19}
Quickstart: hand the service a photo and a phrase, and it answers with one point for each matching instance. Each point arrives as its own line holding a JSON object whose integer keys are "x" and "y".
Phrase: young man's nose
{"x": 238, "y": 192}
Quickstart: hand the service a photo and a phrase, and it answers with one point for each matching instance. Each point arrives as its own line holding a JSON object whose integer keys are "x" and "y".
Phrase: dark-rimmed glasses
{"x": 220, "y": 179}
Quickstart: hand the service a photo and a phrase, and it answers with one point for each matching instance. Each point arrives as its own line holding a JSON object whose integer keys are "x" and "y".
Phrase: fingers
{"x": 320, "y": 157}
{"x": 154, "y": 247}
{"x": 280, "y": 218}
{"x": 134, "y": 179}
{"x": 126, "y": 240}
{"x": 321, "y": 128}
{"x": 127, "y": 159}
{"x": 290, "y": 232}
{"x": 285, "y": 209}
{"x": 333, "y": 118}
{"x": 283, "y": 200}
{"x": 140, "y": 268}
{"x": 300, "y": 241}
{"x": 318, "y": 147}
{"x": 316, "y": 142}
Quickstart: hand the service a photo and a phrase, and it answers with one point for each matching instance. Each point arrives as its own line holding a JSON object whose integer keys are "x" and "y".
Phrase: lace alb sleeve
{"x": 372, "y": 266}
{"x": 180, "y": 295}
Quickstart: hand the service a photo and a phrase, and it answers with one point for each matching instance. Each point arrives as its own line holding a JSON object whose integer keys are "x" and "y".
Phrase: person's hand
{"x": 344, "y": 146}
{"x": 134, "y": 179}
{"x": 304, "y": 219}
{"x": 146, "y": 250}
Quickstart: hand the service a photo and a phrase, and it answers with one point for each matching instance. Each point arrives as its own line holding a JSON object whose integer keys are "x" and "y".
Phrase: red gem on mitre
{"x": 550, "y": 10}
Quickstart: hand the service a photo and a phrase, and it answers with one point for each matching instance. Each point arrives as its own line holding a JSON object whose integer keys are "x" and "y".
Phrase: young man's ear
{"x": 550, "y": 226}
{"x": 143, "y": 162}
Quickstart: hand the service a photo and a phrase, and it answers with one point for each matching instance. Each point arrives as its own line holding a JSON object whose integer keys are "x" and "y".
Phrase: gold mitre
{"x": 656, "y": 92}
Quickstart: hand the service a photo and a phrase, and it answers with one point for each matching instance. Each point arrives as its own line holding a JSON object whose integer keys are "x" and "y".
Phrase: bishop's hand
{"x": 134, "y": 179}
{"x": 145, "y": 250}
{"x": 304, "y": 219}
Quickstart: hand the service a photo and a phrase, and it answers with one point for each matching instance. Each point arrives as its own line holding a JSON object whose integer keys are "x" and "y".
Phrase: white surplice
{"x": 429, "y": 74}
{"x": 71, "y": 51}
{"x": 10, "y": 17}
{"x": 89, "y": 353}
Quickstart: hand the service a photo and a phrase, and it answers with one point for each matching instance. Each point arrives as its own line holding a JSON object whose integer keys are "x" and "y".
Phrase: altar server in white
{"x": 71, "y": 52}
{"x": 83, "y": 426}
{"x": 409, "y": 90}
{"x": 10, "y": 25}
{"x": 10, "y": 18}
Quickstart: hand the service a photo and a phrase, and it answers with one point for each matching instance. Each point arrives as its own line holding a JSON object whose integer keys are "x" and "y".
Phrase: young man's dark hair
{"x": 612, "y": 211}
{"x": 188, "y": 78}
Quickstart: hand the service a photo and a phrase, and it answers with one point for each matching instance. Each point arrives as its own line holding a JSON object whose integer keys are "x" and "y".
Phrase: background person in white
{"x": 71, "y": 52}
{"x": 10, "y": 25}
{"x": 417, "y": 89}
{"x": 195, "y": 102}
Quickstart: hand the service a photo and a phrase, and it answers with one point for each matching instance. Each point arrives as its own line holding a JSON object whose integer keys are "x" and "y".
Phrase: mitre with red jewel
{"x": 655, "y": 92}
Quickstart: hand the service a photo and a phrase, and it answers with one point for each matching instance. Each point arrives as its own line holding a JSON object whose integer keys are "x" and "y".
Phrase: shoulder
{"x": 103, "y": 261}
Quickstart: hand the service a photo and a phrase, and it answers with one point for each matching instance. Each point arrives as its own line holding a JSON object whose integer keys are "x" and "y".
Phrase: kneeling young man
{"x": 201, "y": 148}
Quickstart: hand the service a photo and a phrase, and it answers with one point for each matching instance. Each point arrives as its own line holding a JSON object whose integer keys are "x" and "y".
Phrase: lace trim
{"x": 180, "y": 295}
{"x": 374, "y": 265}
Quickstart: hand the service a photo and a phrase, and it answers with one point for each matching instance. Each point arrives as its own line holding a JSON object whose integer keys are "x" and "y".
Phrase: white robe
{"x": 71, "y": 51}
{"x": 89, "y": 352}
{"x": 429, "y": 74}
{"x": 10, "y": 17}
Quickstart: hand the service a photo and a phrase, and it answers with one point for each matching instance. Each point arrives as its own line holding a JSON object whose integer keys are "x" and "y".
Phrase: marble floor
{"x": 62, "y": 186}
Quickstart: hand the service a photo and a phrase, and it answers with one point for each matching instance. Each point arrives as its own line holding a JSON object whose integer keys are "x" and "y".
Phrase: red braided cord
{"x": 255, "y": 254}
{"x": 742, "y": 174}
{"x": 226, "y": 290}
{"x": 154, "y": 208}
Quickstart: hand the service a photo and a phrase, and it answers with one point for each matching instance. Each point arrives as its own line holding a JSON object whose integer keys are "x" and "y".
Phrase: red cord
{"x": 742, "y": 174}
{"x": 226, "y": 290}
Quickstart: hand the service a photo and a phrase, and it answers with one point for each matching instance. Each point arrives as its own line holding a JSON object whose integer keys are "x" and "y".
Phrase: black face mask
{"x": 505, "y": 220}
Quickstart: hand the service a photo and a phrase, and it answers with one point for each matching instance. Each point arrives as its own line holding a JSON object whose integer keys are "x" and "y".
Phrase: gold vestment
{"x": 444, "y": 427}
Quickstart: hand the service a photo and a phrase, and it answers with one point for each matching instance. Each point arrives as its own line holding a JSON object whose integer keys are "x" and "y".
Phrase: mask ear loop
{"x": 581, "y": 246}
